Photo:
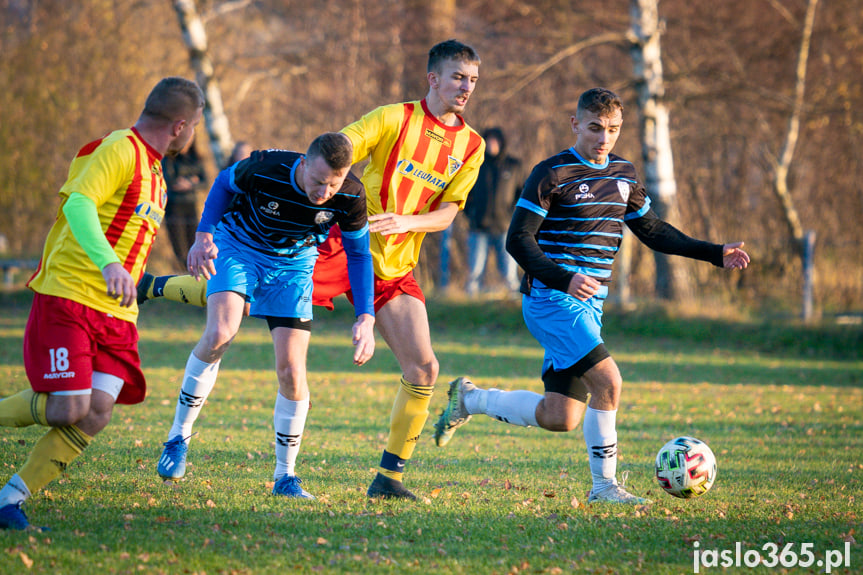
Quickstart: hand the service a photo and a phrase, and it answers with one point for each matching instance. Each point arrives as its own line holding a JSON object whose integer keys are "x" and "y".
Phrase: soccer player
{"x": 565, "y": 232}
{"x": 81, "y": 343}
{"x": 423, "y": 161}
{"x": 257, "y": 240}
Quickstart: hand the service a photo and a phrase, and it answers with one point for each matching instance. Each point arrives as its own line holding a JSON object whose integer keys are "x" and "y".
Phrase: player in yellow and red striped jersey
{"x": 423, "y": 161}
{"x": 81, "y": 342}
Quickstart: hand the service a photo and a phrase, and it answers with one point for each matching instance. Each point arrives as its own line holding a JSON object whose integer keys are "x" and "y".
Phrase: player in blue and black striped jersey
{"x": 565, "y": 233}
{"x": 257, "y": 243}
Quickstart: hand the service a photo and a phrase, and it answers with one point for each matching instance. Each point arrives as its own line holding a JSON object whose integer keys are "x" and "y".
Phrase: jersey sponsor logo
{"x": 584, "y": 193}
{"x": 58, "y": 375}
{"x": 323, "y": 217}
{"x": 271, "y": 209}
{"x": 409, "y": 169}
{"x": 623, "y": 188}
{"x": 149, "y": 211}
{"x": 438, "y": 138}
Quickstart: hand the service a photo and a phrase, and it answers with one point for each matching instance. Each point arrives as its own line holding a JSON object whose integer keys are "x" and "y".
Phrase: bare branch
{"x": 222, "y": 9}
{"x": 539, "y": 70}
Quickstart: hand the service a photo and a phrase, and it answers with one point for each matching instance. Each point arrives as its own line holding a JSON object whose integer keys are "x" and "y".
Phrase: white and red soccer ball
{"x": 685, "y": 467}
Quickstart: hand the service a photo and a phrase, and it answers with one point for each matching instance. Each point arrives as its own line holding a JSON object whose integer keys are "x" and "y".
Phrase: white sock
{"x": 515, "y": 407}
{"x": 289, "y": 420}
{"x": 198, "y": 382}
{"x": 600, "y": 435}
{"x": 15, "y": 491}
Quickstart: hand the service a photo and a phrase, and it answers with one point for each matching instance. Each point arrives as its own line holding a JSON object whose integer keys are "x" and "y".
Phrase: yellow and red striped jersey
{"x": 415, "y": 163}
{"x": 122, "y": 174}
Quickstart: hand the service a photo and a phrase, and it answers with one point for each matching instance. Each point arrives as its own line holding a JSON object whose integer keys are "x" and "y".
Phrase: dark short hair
{"x": 173, "y": 98}
{"x": 334, "y": 147}
{"x": 600, "y": 101}
{"x": 451, "y": 50}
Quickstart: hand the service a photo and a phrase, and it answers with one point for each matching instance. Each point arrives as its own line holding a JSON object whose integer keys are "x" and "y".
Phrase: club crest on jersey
{"x": 323, "y": 217}
{"x": 453, "y": 165}
{"x": 623, "y": 188}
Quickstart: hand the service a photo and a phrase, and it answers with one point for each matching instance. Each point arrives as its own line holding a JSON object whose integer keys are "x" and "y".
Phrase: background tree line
{"x": 69, "y": 72}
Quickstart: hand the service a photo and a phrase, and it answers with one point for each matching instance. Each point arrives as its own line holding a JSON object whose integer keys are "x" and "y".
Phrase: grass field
{"x": 781, "y": 405}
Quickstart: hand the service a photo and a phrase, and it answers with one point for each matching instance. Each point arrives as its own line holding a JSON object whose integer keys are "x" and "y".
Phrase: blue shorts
{"x": 275, "y": 286}
{"x": 566, "y": 328}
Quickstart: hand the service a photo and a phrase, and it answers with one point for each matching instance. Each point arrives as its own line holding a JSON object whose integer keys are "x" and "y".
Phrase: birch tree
{"x": 215, "y": 120}
{"x": 672, "y": 282}
{"x": 803, "y": 243}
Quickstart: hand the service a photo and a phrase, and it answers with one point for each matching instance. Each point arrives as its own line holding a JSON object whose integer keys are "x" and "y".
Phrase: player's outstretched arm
{"x": 734, "y": 258}
{"x": 388, "y": 223}
{"x": 364, "y": 338}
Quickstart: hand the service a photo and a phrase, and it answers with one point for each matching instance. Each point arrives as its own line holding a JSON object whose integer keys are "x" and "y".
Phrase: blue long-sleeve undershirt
{"x": 360, "y": 271}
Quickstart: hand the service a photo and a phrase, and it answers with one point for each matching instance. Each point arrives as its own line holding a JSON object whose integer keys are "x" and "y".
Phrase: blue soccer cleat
{"x": 172, "y": 464}
{"x": 289, "y": 486}
{"x": 12, "y": 517}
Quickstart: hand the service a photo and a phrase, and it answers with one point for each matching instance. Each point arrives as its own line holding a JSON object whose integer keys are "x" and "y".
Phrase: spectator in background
{"x": 241, "y": 151}
{"x": 185, "y": 177}
{"x": 489, "y": 210}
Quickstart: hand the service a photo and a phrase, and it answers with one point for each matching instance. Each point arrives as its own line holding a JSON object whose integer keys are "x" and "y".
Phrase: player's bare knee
{"x": 98, "y": 419}
{"x": 290, "y": 376}
{"x": 424, "y": 374}
{"x": 216, "y": 341}
{"x": 62, "y": 420}
{"x": 66, "y": 410}
{"x": 560, "y": 423}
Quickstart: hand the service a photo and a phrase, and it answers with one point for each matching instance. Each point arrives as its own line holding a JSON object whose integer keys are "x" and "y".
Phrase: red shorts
{"x": 65, "y": 342}
{"x": 331, "y": 277}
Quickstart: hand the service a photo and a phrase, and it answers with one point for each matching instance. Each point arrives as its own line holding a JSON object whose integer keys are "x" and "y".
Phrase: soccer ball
{"x": 685, "y": 467}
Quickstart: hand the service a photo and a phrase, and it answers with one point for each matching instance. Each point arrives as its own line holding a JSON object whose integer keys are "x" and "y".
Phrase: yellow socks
{"x": 183, "y": 289}
{"x": 409, "y": 415}
{"x": 51, "y": 454}
{"x": 23, "y": 409}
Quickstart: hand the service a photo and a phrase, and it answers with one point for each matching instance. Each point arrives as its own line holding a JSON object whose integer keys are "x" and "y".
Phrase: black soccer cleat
{"x": 385, "y": 488}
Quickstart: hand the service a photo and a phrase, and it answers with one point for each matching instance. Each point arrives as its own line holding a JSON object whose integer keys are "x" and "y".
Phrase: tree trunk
{"x": 803, "y": 241}
{"x": 672, "y": 282}
{"x": 215, "y": 120}
{"x": 426, "y": 24}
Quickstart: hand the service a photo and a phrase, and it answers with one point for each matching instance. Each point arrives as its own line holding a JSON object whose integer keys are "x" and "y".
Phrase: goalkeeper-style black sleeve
{"x": 663, "y": 237}
{"x": 522, "y": 246}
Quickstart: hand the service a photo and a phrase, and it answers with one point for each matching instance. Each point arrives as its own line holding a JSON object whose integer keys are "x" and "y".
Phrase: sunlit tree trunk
{"x": 803, "y": 243}
{"x": 215, "y": 120}
{"x": 672, "y": 282}
{"x": 426, "y": 24}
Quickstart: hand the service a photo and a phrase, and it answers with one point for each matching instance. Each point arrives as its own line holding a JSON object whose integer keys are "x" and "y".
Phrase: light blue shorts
{"x": 566, "y": 328}
{"x": 275, "y": 286}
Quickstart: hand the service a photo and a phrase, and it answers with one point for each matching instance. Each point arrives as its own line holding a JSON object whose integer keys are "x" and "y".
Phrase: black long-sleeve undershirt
{"x": 655, "y": 233}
